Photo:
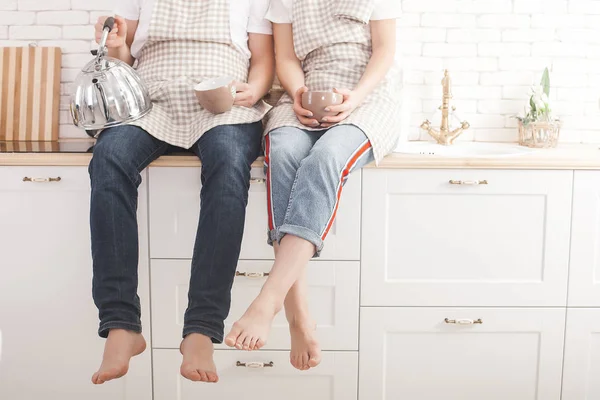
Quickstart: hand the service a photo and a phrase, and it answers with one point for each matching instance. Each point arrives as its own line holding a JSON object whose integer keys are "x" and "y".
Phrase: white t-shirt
{"x": 280, "y": 11}
{"x": 247, "y": 16}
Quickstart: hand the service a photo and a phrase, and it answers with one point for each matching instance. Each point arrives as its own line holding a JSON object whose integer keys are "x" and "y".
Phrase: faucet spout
{"x": 444, "y": 136}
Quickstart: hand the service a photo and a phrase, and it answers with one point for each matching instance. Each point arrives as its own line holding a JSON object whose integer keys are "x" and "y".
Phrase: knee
{"x": 325, "y": 158}
{"x": 284, "y": 150}
{"x": 110, "y": 155}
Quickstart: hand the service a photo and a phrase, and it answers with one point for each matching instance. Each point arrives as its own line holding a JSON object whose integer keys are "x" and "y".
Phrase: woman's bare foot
{"x": 306, "y": 352}
{"x": 119, "y": 348}
{"x": 252, "y": 330}
{"x": 198, "y": 364}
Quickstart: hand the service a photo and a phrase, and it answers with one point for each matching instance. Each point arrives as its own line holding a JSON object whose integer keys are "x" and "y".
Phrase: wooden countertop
{"x": 568, "y": 157}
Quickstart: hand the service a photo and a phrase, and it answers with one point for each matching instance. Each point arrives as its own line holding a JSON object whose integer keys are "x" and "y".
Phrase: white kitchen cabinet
{"x": 332, "y": 294}
{"x": 413, "y": 353}
{"x": 465, "y": 237}
{"x": 47, "y": 317}
{"x": 175, "y": 206}
{"x": 582, "y": 355}
{"x": 584, "y": 280}
{"x": 272, "y": 378}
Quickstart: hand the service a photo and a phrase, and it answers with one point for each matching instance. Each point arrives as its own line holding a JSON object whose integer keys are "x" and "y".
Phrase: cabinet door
{"x": 175, "y": 206}
{"x": 584, "y": 280}
{"x": 465, "y": 238}
{"x": 408, "y": 353}
{"x": 47, "y": 317}
{"x": 333, "y": 302}
{"x": 582, "y": 355}
{"x": 264, "y": 375}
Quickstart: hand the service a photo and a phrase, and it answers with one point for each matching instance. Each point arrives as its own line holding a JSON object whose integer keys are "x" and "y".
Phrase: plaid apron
{"x": 188, "y": 42}
{"x": 332, "y": 39}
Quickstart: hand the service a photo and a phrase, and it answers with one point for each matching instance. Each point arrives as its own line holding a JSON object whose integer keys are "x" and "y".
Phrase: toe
{"x": 232, "y": 337}
{"x": 191, "y": 374}
{"x": 204, "y": 375}
{"x": 259, "y": 344}
{"x": 315, "y": 359}
{"x": 212, "y": 377}
{"x": 304, "y": 361}
{"x": 95, "y": 378}
{"x": 246, "y": 343}
{"x": 294, "y": 361}
{"x": 253, "y": 343}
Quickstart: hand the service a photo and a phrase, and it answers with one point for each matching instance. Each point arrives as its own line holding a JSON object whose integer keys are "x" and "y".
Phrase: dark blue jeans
{"x": 121, "y": 153}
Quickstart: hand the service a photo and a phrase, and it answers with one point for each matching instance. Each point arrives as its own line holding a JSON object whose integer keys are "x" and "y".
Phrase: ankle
{"x": 300, "y": 320}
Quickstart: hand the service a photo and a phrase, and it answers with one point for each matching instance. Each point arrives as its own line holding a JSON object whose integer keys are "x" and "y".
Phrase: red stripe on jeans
{"x": 346, "y": 171}
{"x": 269, "y": 199}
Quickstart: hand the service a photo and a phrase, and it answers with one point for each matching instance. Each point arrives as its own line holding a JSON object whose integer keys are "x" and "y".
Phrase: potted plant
{"x": 538, "y": 127}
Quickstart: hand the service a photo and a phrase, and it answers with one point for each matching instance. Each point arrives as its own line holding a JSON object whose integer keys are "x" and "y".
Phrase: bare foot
{"x": 252, "y": 330}
{"x": 119, "y": 348}
{"x": 306, "y": 352}
{"x": 198, "y": 364}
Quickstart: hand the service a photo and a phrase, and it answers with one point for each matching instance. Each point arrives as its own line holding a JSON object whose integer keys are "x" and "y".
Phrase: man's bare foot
{"x": 252, "y": 330}
{"x": 119, "y": 348}
{"x": 198, "y": 364}
{"x": 306, "y": 352}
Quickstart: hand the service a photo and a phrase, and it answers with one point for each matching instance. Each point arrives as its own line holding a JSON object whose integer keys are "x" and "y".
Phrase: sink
{"x": 464, "y": 149}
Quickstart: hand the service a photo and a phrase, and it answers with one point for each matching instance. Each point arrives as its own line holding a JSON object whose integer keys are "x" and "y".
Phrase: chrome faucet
{"x": 444, "y": 136}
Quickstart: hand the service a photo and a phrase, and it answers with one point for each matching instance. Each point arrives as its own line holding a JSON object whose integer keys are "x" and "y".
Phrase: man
{"x": 177, "y": 44}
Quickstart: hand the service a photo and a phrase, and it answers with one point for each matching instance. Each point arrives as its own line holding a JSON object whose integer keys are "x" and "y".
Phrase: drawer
{"x": 501, "y": 238}
{"x": 334, "y": 379}
{"x": 412, "y": 353}
{"x": 175, "y": 207}
{"x": 582, "y": 355}
{"x": 584, "y": 279}
{"x": 44, "y": 179}
{"x": 333, "y": 301}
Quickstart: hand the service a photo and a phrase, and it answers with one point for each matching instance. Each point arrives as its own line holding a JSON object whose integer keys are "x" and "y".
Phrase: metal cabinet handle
{"x": 255, "y": 365}
{"x": 257, "y": 180}
{"x": 42, "y": 180}
{"x": 468, "y": 183}
{"x": 463, "y": 321}
{"x": 252, "y": 275}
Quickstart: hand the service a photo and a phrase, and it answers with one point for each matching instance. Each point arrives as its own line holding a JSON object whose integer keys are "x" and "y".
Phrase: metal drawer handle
{"x": 252, "y": 275}
{"x": 463, "y": 321}
{"x": 42, "y": 180}
{"x": 468, "y": 183}
{"x": 257, "y": 180}
{"x": 255, "y": 365}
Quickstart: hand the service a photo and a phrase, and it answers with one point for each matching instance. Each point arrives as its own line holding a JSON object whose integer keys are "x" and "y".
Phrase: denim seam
{"x": 214, "y": 334}
{"x": 289, "y": 205}
{"x": 141, "y": 166}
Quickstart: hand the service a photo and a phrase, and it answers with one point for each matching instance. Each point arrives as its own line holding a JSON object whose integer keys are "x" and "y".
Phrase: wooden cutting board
{"x": 29, "y": 93}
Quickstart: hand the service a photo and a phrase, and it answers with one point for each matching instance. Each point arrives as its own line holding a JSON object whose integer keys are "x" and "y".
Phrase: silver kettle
{"x": 107, "y": 92}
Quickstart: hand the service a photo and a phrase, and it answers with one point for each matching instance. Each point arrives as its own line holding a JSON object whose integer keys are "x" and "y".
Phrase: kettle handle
{"x": 109, "y": 24}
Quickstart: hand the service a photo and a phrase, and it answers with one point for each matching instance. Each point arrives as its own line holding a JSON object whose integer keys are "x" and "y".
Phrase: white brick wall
{"x": 495, "y": 49}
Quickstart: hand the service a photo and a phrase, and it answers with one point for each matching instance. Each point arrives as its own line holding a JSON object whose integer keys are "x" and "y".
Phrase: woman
{"x": 348, "y": 46}
{"x": 178, "y": 43}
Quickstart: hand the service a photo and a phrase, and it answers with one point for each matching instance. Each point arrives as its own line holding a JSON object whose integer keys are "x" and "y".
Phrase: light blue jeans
{"x": 305, "y": 175}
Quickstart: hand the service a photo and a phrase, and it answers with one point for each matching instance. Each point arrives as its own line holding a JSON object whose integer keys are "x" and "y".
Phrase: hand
{"x": 303, "y": 115}
{"x": 116, "y": 37}
{"x": 245, "y": 95}
{"x": 351, "y": 101}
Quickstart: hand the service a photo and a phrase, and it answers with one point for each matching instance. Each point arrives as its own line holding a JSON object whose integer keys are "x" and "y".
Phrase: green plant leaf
{"x": 546, "y": 81}
{"x": 532, "y": 104}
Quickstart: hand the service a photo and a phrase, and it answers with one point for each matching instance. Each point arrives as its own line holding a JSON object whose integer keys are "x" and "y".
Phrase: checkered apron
{"x": 332, "y": 38}
{"x": 188, "y": 42}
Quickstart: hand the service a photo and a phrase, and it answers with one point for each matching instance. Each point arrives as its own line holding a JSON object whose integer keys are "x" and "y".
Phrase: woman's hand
{"x": 117, "y": 37}
{"x": 351, "y": 101}
{"x": 245, "y": 96}
{"x": 303, "y": 115}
